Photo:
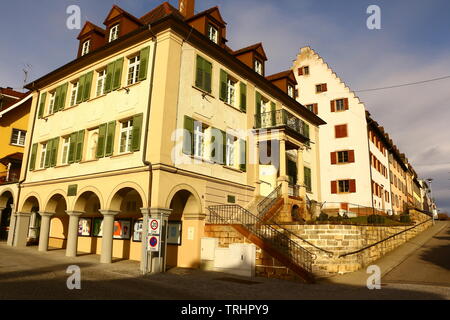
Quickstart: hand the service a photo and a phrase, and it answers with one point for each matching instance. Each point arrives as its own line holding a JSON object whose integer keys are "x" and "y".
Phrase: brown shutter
{"x": 333, "y": 157}
{"x": 346, "y": 103}
{"x": 333, "y": 187}
{"x": 300, "y": 71}
{"x": 344, "y": 131}
{"x": 324, "y": 87}
{"x": 316, "y": 108}
{"x": 333, "y": 109}
{"x": 352, "y": 185}
{"x": 351, "y": 156}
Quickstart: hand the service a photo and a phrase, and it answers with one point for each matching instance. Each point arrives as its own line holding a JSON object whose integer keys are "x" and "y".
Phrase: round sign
{"x": 153, "y": 241}
{"x": 154, "y": 224}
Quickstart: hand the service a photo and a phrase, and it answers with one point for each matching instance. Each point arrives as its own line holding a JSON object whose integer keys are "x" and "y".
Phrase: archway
{"x": 6, "y": 201}
{"x": 25, "y": 222}
{"x": 58, "y": 222}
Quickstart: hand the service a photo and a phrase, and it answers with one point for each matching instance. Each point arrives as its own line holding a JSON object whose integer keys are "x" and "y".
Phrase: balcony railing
{"x": 282, "y": 118}
{"x": 13, "y": 177}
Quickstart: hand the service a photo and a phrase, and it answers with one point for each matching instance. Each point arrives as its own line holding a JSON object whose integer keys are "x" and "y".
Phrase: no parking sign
{"x": 153, "y": 243}
{"x": 154, "y": 226}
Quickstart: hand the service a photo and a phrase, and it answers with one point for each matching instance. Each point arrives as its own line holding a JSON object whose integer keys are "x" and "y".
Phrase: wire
{"x": 404, "y": 85}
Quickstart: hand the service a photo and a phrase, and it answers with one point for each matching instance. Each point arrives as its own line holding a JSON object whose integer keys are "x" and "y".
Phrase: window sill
{"x": 63, "y": 165}
{"x": 233, "y": 169}
{"x": 71, "y": 107}
{"x": 120, "y": 155}
{"x": 38, "y": 170}
{"x": 97, "y": 97}
{"x": 17, "y": 145}
{"x": 87, "y": 161}
{"x": 231, "y": 106}
{"x": 129, "y": 86}
{"x": 204, "y": 92}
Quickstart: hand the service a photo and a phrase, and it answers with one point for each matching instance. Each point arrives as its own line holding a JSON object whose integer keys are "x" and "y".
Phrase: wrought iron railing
{"x": 280, "y": 118}
{"x": 235, "y": 214}
{"x": 294, "y": 190}
{"x": 268, "y": 201}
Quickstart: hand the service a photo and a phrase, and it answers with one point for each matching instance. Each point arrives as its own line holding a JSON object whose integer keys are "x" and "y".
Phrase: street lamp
{"x": 430, "y": 180}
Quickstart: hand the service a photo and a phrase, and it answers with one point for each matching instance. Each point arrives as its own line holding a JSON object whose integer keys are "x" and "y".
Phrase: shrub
{"x": 405, "y": 218}
{"x": 375, "y": 219}
{"x": 322, "y": 217}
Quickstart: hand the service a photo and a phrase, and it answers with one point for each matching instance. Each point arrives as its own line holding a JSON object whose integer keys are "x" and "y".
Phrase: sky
{"x": 412, "y": 45}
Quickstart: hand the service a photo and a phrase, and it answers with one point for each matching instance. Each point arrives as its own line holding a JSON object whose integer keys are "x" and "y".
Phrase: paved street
{"x": 28, "y": 274}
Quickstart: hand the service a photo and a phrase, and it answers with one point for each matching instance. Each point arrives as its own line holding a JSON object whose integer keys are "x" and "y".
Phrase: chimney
{"x": 186, "y": 7}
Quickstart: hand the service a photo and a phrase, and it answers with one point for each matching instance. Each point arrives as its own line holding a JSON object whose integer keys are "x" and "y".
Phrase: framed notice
{"x": 97, "y": 227}
{"x": 122, "y": 229}
{"x": 84, "y": 227}
{"x": 174, "y": 233}
{"x": 137, "y": 230}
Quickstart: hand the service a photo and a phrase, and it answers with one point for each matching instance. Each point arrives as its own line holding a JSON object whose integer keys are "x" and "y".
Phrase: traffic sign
{"x": 153, "y": 243}
{"x": 154, "y": 227}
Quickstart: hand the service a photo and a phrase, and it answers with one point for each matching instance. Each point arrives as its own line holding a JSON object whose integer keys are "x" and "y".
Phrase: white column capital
{"x": 24, "y": 214}
{"x": 46, "y": 214}
{"x": 194, "y": 216}
{"x": 156, "y": 212}
{"x": 74, "y": 213}
{"x": 109, "y": 212}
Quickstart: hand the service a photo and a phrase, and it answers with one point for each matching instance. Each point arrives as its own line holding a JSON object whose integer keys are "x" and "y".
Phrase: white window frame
{"x": 21, "y": 134}
{"x": 43, "y": 155}
{"x": 213, "y": 33}
{"x": 231, "y": 151}
{"x": 126, "y": 131}
{"x": 199, "y": 139}
{"x": 231, "y": 91}
{"x": 114, "y": 33}
{"x": 258, "y": 67}
{"x": 51, "y": 105}
{"x": 65, "y": 150}
{"x": 74, "y": 93}
{"x": 340, "y": 107}
{"x": 291, "y": 91}
{"x": 101, "y": 79}
{"x": 134, "y": 64}
{"x": 85, "y": 47}
{"x": 345, "y": 183}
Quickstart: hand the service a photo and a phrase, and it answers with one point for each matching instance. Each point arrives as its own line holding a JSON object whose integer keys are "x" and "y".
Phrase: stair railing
{"x": 268, "y": 201}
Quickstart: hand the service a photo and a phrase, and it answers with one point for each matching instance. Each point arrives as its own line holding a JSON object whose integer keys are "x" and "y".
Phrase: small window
{"x": 114, "y": 33}
{"x": 340, "y": 105}
{"x": 213, "y": 34}
{"x": 18, "y": 137}
{"x": 303, "y": 71}
{"x": 230, "y": 149}
{"x": 51, "y": 107}
{"x": 73, "y": 94}
{"x": 65, "y": 151}
{"x": 321, "y": 88}
{"x": 291, "y": 91}
{"x": 199, "y": 137}
{"x": 231, "y": 199}
{"x": 344, "y": 186}
{"x": 133, "y": 70}
{"x": 258, "y": 67}
{"x": 126, "y": 136}
{"x": 43, "y": 155}
{"x": 342, "y": 156}
{"x": 101, "y": 82}
{"x": 314, "y": 108}
{"x": 85, "y": 48}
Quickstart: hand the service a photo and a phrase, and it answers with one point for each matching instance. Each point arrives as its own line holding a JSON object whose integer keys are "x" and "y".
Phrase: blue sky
{"x": 413, "y": 45}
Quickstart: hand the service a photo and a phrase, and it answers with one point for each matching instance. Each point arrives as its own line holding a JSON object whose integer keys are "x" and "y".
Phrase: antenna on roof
{"x": 26, "y": 72}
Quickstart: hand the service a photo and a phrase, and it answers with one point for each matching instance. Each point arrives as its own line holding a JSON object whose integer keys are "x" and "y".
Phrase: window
{"x": 230, "y": 156}
{"x": 227, "y": 88}
{"x": 341, "y": 131}
{"x": 213, "y": 34}
{"x": 92, "y": 144}
{"x": 43, "y": 155}
{"x": 340, "y": 105}
{"x": 126, "y": 136}
{"x": 321, "y": 88}
{"x": 291, "y": 91}
{"x": 73, "y": 94}
{"x": 51, "y": 106}
{"x": 307, "y": 174}
{"x": 85, "y": 48}
{"x": 101, "y": 82}
{"x": 258, "y": 67}
{"x": 313, "y": 108}
{"x": 65, "y": 151}
{"x": 231, "y": 199}
{"x": 133, "y": 70}
{"x": 199, "y": 134}
{"x": 231, "y": 91}
{"x": 344, "y": 186}
{"x": 303, "y": 71}
{"x": 203, "y": 74}
{"x": 114, "y": 33}
{"x": 342, "y": 157}
{"x": 18, "y": 137}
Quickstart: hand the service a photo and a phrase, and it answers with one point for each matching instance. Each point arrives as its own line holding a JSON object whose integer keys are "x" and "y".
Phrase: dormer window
{"x": 258, "y": 67}
{"x": 86, "y": 47}
{"x": 114, "y": 33}
{"x": 213, "y": 34}
{"x": 291, "y": 91}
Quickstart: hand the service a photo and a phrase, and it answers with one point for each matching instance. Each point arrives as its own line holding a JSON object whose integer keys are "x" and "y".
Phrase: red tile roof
{"x": 160, "y": 12}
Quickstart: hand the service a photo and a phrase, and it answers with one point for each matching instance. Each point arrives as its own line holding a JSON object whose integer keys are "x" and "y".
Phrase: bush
{"x": 405, "y": 218}
{"x": 322, "y": 217}
{"x": 375, "y": 219}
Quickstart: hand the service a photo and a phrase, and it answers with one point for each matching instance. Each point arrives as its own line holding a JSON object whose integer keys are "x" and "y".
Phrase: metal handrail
{"x": 235, "y": 214}
{"x": 268, "y": 201}
{"x": 279, "y": 118}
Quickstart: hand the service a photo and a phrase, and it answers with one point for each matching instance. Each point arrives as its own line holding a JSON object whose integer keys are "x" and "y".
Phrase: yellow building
{"x": 158, "y": 118}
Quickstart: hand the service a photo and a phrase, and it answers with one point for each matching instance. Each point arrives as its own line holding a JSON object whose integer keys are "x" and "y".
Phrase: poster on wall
{"x": 122, "y": 229}
{"x": 174, "y": 233}
{"x": 84, "y": 227}
{"x": 97, "y": 227}
{"x": 137, "y": 230}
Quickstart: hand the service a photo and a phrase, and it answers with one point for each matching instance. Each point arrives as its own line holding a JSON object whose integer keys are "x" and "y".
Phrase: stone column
{"x": 107, "y": 237}
{"x": 21, "y": 229}
{"x": 301, "y": 173}
{"x": 256, "y": 171}
{"x": 283, "y": 178}
{"x": 46, "y": 217}
{"x": 72, "y": 234}
{"x": 12, "y": 225}
{"x": 1, "y": 212}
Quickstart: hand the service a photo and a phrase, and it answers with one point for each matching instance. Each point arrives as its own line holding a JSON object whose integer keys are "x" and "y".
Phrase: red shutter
{"x": 300, "y": 71}
{"x": 346, "y": 103}
{"x": 352, "y": 185}
{"x": 333, "y": 109}
{"x": 351, "y": 156}
{"x": 344, "y": 130}
{"x": 333, "y": 187}
{"x": 333, "y": 157}
{"x": 337, "y": 132}
{"x": 324, "y": 87}
{"x": 316, "y": 108}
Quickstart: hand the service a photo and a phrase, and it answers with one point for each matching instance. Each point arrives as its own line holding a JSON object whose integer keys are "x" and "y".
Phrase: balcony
{"x": 13, "y": 177}
{"x": 283, "y": 119}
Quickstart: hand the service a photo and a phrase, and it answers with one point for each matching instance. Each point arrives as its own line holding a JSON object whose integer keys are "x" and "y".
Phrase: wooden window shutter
{"x": 333, "y": 187}
{"x": 137, "y": 131}
{"x": 324, "y": 87}
{"x": 346, "y": 103}
{"x": 80, "y": 141}
{"x": 111, "y": 130}
{"x": 199, "y": 73}
{"x": 258, "y": 110}
{"x": 48, "y": 153}
{"x": 33, "y": 156}
{"x": 57, "y": 99}
{"x": 42, "y": 105}
{"x": 143, "y": 67}
{"x": 243, "y": 96}
{"x": 316, "y": 108}
{"x": 306, "y": 130}
{"x": 223, "y": 147}
{"x": 208, "y": 75}
{"x": 300, "y": 71}
{"x": 101, "y": 141}
{"x": 223, "y": 85}
{"x": 352, "y": 184}
{"x": 54, "y": 155}
{"x": 333, "y": 157}
{"x": 243, "y": 155}
{"x": 87, "y": 86}
{"x": 62, "y": 100}
{"x": 337, "y": 131}
{"x": 344, "y": 130}
{"x": 351, "y": 156}
{"x": 109, "y": 77}
{"x": 333, "y": 105}
{"x": 273, "y": 109}
{"x": 188, "y": 137}
{"x": 72, "y": 147}
{"x": 117, "y": 78}
{"x": 81, "y": 88}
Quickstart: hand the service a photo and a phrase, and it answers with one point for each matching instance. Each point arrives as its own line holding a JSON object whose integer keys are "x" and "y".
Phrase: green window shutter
{"x": 111, "y": 130}
{"x": 80, "y": 140}
{"x": 199, "y": 73}
{"x": 57, "y": 99}
{"x": 243, "y": 97}
{"x": 33, "y": 156}
{"x": 54, "y": 155}
{"x": 188, "y": 137}
{"x": 118, "y": 65}
{"x": 223, "y": 85}
{"x": 80, "y": 89}
{"x": 42, "y": 105}
{"x": 273, "y": 109}
{"x": 137, "y": 128}
{"x": 144, "y": 55}
{"x": 243, "y": 155}
{"x": 307, "y": 182}
{"x": 223, "y": 147}
{"x": 258, "y": 110}
{"x": 62, "y": 100}
{"x": 306, "y": 130}
{"x": 72, "y": 147}
{"x": 208, "y": 75}
{"x": 87, "y": 86}
{"x": 101, "y": 141}
{"x": 48, "y": 154}
{"x": 109, "y": 77}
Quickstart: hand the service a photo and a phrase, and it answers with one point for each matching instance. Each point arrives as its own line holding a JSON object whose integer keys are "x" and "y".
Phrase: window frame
{"x": 135, "y": 66}
{"x": 43, "y": 155}
{"x": 20, "y": 133}
{"x": 114, "y": 33}
{"x": 51, "y": 103}
{"x": 74, "y": 94}
{"x": 199, "y": 139}
{"x": 345, "y": 185}
{"x": 346, "y": 152}
{"x": 128, "y": 136}
{"x": 230, "y": 149}
{"x": 65, "y": 150}
{"x": 211, "y": 37}
{"x": 86, "y": 47}
{"x": 101, "y": 78}
{"x": 231, "y": 91}
{"x": 258, "y": 67}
